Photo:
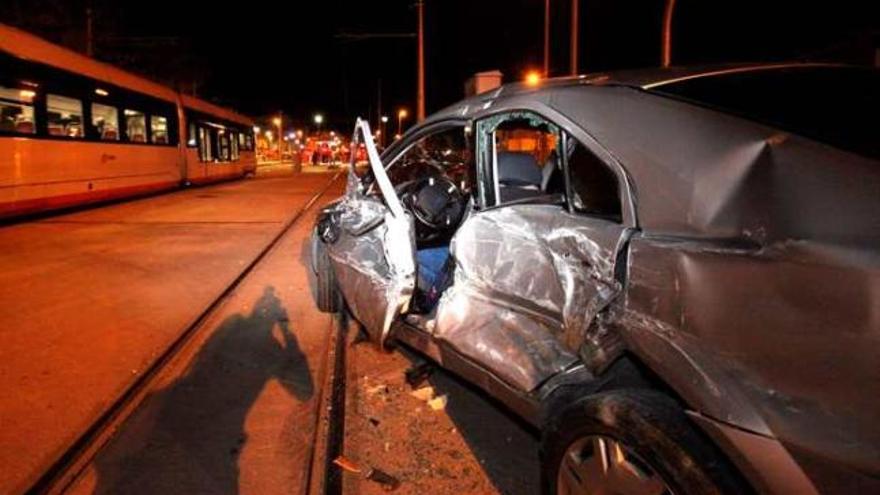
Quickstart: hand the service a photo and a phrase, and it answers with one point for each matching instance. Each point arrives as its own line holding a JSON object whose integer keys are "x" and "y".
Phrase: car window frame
{"x": 397, "y": 150}
{"x": 488, "y": 182}
{"x": 569, "y": 130}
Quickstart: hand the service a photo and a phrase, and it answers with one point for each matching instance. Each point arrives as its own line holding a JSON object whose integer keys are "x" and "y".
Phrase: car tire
{"x": 646, "y": 439}
{"x": 327, "y": 294}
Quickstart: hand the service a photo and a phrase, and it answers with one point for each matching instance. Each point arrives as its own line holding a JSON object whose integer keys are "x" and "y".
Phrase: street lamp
{"x": 401, "y": 114}
{"x": 382, "y": 121}
{"x": 319, "y": 119}
{"x": 277, "y": 122}
{"x": 533, "y": 77}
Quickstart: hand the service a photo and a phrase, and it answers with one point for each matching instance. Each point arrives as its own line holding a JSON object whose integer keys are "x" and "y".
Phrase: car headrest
{"x": 519, "y": 168}
{"x": 547, "y": 170}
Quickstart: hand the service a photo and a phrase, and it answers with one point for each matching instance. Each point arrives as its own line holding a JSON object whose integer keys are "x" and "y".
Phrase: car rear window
{"x": 839, "y": 106}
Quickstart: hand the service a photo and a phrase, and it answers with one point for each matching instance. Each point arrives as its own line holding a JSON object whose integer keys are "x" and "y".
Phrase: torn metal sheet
{"x": 713, "y": 315}
{"x": 373, "y": 256}
{"x": 528, "y": 281}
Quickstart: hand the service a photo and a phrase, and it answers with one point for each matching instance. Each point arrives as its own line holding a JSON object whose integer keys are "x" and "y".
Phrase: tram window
{"x": 159, "y": 129}
{"x": 64, "y": 116}
{"x": 233, "y": 142}
{"x": 191, "y": 135}
{"x": 105, "y": 120}
{"x": 206, "y": 151}
{"x": 135, "y": 126}
{"x": 17, "y": 110}
{"x": 223, "y": 139}
{"x": 250, "y": 142}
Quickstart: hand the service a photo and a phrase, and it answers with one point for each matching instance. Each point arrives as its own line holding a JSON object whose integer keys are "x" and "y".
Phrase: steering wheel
{"x": 437, "y": 204}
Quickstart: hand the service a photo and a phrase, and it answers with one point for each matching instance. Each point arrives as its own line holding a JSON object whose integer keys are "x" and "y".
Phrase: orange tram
{"x": 74, "y": 131}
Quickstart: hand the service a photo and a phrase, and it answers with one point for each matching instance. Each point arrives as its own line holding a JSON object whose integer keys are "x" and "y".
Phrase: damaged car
{"x": 673, "y": 274}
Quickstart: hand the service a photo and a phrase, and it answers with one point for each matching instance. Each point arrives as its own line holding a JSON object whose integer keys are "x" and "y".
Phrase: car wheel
{"x": 631, "y": 442}
{"x": 327, "y": 291}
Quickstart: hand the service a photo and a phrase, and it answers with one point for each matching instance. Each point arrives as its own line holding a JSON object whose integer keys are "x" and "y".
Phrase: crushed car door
{"x": 535, "y": 267}
{"x": 371, "y": 247}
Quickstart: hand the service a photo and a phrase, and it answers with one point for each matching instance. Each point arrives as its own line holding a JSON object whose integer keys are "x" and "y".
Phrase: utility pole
{"x": 546, "y": 38}
{"x": 278, "y": 121}
{"x": 666, "y": 54}
{"x": 379, "y": 104}
{"x": 90, "y": 35}
{"x": 573, "y": 51}
{"x": 420, "y": 104}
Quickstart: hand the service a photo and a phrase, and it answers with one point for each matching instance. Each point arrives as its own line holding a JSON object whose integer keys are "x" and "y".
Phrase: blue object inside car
{"x": 431, "y": 262}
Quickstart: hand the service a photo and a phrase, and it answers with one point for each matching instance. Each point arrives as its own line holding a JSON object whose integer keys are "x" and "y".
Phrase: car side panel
{"x": 528, "y": 282}
{"x": 366, "y": 241}
{"x": 780, "y": 340}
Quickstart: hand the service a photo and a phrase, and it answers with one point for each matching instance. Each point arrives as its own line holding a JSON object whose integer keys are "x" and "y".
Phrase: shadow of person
{"x": 186, "y": 438}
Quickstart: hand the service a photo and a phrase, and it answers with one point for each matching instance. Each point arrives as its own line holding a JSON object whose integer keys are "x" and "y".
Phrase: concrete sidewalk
{"x": 90, "y": 299}
{"x": 235, "y": 412}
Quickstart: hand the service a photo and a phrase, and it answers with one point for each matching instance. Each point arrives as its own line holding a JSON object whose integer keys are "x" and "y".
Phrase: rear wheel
{"x": 631, "y": 442}
{"x": 327, "y": 291}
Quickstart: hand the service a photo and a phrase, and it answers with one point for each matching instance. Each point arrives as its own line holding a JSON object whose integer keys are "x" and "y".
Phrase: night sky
{"x": 261, "y": 57}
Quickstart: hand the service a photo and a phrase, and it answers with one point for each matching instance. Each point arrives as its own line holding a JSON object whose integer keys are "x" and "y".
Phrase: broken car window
{"x": 527, "y": 158}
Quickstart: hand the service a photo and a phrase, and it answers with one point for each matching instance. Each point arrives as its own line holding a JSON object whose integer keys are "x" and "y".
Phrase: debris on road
{"x": 438, "y": 403}
{"x": 388, "y": 482}
{"x": 423, "y": 394}
{"x": 430, "y": 451}
{"x": 426, "y": 394}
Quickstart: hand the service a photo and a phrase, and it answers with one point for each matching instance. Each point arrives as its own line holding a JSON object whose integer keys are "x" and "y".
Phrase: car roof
{"x": 645, "y": 79}
{"x": 700, "y": 170}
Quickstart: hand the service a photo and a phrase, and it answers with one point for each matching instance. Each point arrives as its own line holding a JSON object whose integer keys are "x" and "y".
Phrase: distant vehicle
{"x": 673, "y": 274}
{"x": 74, "y": 130}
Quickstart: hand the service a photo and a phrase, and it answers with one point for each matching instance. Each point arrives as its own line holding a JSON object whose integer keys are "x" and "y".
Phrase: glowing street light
{"x": 401, "y": 114}
{"x": 319, "y": 119}
{"x": 382, "y": 121}
{"x": 533, "y": 78}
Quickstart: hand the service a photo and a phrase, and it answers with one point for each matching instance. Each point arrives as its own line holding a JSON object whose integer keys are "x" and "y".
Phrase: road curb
{"x": 324, "y": 479}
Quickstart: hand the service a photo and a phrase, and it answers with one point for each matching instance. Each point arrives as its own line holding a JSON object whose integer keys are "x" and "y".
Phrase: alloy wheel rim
{"x": 600, "y": 465}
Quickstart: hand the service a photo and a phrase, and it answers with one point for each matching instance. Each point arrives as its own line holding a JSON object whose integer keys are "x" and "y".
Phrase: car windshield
{"x": 834, "y": 105}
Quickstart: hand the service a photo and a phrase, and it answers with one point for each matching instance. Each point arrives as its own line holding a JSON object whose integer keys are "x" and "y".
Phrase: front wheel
{"x": 327, "y": 292}
{"x": 631, "y": 442}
